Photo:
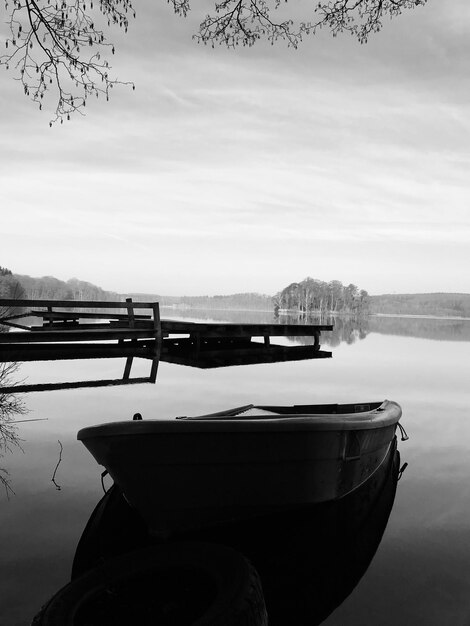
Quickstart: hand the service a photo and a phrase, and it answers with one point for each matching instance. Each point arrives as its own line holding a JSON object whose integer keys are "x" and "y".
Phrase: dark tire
{"x": 175, "y": 584}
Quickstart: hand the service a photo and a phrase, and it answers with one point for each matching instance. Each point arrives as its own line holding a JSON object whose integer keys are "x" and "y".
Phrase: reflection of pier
{"x": 210, "y": 353}
{"x": 68, "y": 331}
{"x": 222, "y": 345}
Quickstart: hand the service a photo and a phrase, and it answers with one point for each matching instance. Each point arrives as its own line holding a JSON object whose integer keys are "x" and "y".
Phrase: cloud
{"x": 310, "y": 158}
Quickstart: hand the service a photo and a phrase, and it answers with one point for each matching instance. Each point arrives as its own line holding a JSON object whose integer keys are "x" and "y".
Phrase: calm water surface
{"x": 420, "y": 573}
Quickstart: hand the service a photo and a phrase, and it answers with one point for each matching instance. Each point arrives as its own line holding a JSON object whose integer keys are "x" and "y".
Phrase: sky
{"x": 245, "y": 170}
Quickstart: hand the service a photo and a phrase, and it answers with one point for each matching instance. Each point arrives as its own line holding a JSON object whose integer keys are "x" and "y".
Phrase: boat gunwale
{"x": 387, "y": 414}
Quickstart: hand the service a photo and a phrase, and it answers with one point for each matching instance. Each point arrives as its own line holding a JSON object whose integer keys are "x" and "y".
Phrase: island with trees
{"x": 316, "y": 297}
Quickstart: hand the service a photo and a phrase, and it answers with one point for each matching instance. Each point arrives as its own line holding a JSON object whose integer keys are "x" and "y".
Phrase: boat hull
{"x": 309, "y": 559}
{"x": 183, "y": 474}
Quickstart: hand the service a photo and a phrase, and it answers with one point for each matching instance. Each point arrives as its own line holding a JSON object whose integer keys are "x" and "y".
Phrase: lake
{"x": 419, "y": 574}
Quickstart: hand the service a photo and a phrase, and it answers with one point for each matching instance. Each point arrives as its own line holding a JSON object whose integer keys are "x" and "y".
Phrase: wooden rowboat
{"x": 197, "y": 472}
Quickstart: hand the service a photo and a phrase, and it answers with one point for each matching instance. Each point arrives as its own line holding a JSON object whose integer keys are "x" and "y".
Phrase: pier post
{"x": 131, "y": 319}
{"x": 157, "y": 331}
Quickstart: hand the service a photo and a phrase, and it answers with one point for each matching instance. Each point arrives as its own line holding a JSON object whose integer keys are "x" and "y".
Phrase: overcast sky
{"x": 245, "y": 170}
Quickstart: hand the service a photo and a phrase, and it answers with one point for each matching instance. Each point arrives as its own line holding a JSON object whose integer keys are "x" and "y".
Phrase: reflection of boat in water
{"x": 309, "y": 559}
{"x": 182, "y": 584}
{"x": 188, "y": 473}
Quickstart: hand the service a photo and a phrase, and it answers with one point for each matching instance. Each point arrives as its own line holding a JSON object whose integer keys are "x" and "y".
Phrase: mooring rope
{"x": 404, "y": 435}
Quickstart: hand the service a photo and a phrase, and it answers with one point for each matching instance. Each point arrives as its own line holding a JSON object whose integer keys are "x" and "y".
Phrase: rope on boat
{"x": 102, "y": 480}
{"x": 404, "y": 435}
{"x": 401, "y": 470}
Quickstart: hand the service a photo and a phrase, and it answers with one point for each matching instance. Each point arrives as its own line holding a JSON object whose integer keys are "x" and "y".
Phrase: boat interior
{"x": 260, "y": 411}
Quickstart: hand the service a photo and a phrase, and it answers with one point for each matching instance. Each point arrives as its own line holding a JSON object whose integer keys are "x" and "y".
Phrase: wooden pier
{"x": 76, "y": 330}
{"x": 197, "y": 331}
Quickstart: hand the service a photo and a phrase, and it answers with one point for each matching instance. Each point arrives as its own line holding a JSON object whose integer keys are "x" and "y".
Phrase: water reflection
{"x": 228, "y": 352}
{"x": 203, "y": 353}
{"x": 345, "y": 329}
{"x": 351, "y": 329}
{"x": 424, "y": 328}
{"x": 309, "y": 559}
{"x": 130, "y": 350}
{"x": 425, "y": 533}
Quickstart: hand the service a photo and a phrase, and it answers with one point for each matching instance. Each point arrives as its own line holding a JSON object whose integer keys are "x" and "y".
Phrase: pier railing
{"x": 69, "y": 329}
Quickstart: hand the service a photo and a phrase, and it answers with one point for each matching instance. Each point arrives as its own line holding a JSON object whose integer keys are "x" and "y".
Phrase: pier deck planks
{"x": 243, "y": 330}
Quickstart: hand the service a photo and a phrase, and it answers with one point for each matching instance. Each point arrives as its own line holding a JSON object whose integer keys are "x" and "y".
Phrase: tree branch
{"x": 47, "y": 48}
{"x": 48, "y": 39}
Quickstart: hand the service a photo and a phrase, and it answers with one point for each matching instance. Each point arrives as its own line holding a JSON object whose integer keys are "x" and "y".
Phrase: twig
{"x": 38, "y": 419}
{"x": 58, "y": 487}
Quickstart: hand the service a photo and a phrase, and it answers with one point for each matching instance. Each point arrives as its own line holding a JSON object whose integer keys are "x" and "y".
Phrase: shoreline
{"x": 286, "y": 312}
{"x": 421, "y": 316}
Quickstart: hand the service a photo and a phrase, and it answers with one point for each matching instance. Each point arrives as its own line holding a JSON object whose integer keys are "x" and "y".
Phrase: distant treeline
{"x": 310, "y": 297}
{"x": 316, "y": 297}
{"x": 233, "y": 302}
{"x": 49, "y": 287}
{"x": 10, "y": 286}
{"x": 19, "y": 286}
{"x": 436, "y": 304}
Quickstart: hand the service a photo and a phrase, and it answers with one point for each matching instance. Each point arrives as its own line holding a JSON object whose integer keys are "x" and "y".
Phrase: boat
{"x": 299, "y": 566}
{"x": 196, "y": 472}
{"x": 308, "y": 561}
